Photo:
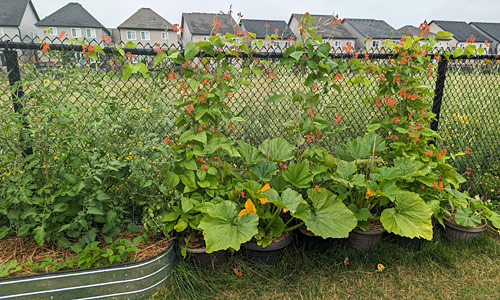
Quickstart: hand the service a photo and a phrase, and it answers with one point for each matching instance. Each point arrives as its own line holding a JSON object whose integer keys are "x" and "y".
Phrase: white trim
{"x": 77, "y": 32}
{"x": 131, "y": 35}
{"x": 145, "y": 35}
{"x": 92, "y": 31}
{"x": 53, "y": 30}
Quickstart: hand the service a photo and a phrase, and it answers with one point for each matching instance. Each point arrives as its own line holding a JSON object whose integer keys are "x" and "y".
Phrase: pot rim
{"x": 376, "y": 232}
{"x": 480, "y": 228}
{"x": 251, "y": 245}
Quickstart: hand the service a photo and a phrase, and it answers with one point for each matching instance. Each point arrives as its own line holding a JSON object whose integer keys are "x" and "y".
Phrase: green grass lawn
{"x": 440, "y": 270}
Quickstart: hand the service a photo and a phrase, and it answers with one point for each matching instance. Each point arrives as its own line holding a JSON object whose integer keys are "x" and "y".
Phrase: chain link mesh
{"x": 470, "y": 112}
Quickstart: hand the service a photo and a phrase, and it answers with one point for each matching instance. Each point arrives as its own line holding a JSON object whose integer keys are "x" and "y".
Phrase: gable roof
{"x": 201, "y": 23}
{"x": 12, "y": 11}
{"x": 377, "y": 29}
{"x": 414, "y": 31}
{"x": 326, "y": 29}
{"x": 146, "y": 18}
{"x": 71, "y": 15}
{"x": 259, "y": 28}
{"x": 491, "y": 29}
{"x": 461, "y": 30}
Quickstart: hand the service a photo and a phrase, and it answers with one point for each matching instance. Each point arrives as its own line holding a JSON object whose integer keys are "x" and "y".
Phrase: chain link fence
{"x": 467, "y": 97}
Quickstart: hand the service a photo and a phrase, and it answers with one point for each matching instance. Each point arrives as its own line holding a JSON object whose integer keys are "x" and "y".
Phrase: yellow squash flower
{"x": 380, "y": 267}
{"x": 249, "y": 208}
{"x": 263, "y": 189}
{"x": 369, "y": 193}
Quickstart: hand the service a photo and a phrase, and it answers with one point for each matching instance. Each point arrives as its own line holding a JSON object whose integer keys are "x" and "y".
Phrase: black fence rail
{"x": 467, "y": 97}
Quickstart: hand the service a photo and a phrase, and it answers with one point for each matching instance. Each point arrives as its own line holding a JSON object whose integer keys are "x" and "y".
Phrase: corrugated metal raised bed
{"x": 136, "y": 280}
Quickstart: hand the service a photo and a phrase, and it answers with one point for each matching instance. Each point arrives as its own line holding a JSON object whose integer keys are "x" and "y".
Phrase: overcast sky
{"x": 397, "y": 13}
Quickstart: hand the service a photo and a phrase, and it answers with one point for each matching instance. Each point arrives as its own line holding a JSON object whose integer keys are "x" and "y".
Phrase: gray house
{"x": 73, "y": 21}
{"x": 18, "y": 17}
{"x": 200, "y": 26}
{"x": 370, "y": 33}
{"x": 340, "y": 36}
{"x": 462, "y": 32}
{"x": 491, "y": 31}
{"x": 146, "y": 26}
{"x": 266, "y": 28}
{"x": 411, "y": 30}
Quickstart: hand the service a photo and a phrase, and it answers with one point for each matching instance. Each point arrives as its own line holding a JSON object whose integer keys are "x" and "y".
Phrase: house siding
{"x": 11, "y": 31}
{"x": 294, "y": 27}
{"x": 154, "y": 36}
{"x": 67, "y": 30}
{"x": 494, "y": 44}
{"x": 28, "y": 21}
{"x": 186, "y": 35}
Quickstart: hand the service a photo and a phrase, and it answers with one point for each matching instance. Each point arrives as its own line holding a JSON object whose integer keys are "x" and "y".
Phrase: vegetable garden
{"x": 224, "y": 149}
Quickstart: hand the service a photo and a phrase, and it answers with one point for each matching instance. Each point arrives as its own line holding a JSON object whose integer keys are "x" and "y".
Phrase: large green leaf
{"x": 494, "y": 219}
{"x": 250, "y": 154}
{"x": 299, "y": 174}
{"x": 292, "y": 199}
{"x": 223, "y": 229}
{"x": 191, "y": 50}
{"x": 360, "y": 147}
{"x": 278, "y": 149}
{"x": 327, "y": 217}
{"x": 466, "y": 217}
{"x": 410, "y": 217}
{"x": 264, "y": 170}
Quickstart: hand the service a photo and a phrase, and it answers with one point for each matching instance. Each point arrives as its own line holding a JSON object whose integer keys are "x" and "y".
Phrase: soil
{"x": 280, "y": 237}
{"x": 376, "y": 226}
{"x": 25, "y": 249}
{"x": 306, "y": 231}
{"x": 197, "y": 241}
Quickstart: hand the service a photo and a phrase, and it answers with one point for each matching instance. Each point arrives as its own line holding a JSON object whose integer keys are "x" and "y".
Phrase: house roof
{"x": 414, "y": 31}
{"x": 146, "y": 18}
{"x": 326, "y": 29}
{"x": 461, "y": 30}
{"x": 12, "y": 11}
{"x": 491, "y": 29}
{"x": 71, "y": 15}
{"x": 378, "y": 29}
{"x": 259, "y": 28}
{"x": 201, "y": 23}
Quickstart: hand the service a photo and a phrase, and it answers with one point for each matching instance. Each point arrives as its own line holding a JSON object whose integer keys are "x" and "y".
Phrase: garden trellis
{"x": 467, "y": 97}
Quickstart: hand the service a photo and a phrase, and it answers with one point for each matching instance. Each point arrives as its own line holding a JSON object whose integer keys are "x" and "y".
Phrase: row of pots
{"x": 358, "y": 239}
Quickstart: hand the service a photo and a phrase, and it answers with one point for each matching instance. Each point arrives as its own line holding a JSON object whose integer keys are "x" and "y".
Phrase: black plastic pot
{"x": 270, "y": 254}
{"x": 412, "y": 244}
{"x": 365, "y": 240}
{"x": 459, "y": 233}
{"x": 206, "y": 260}
{"x": 312, "y": 242}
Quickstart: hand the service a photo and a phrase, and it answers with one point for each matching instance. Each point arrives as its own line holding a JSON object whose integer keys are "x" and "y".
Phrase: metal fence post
{"x": 12, "y": 63}
{"x": 438, "y": 92}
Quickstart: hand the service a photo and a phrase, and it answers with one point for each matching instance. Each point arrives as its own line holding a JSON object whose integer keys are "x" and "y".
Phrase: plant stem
{"x": 41, "y": 141}
{"x": 294, "y": 227}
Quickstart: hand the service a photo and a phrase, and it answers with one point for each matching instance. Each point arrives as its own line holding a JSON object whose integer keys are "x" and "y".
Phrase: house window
{"x": 236, "y": 40}
{"x": 131, "y": 35}
{"x": 337, "y": 44}
{"x": 375, "y": 44}
{"x": 145, "y": 35}
{"x": 441, "y": 44}
{"x": 205, "y": 38}
{"x": 163, "y": 35}
{"x": 53, "y": 30}
{"x": 76, "y": 32}
{"x": 90, "y": 33}
{"x": 1, "y": 32}
{"x": 462, "y": 45}
{"x": 287, "y": 44}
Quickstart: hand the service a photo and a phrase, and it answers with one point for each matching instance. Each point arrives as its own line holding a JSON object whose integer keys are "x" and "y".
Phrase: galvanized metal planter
{"x": 137, "y": 280}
